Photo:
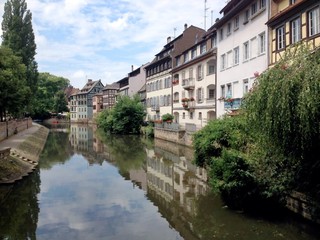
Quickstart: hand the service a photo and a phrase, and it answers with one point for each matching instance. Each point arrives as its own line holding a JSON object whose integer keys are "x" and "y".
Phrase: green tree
{"x": 126, "y": 117}
{"x": 60, "y": 102}
{"x": 13, "y": 89}
{"x": 19, "y": 36}
{"x": 49, "y": 96}
{"x": 284, "y": 111}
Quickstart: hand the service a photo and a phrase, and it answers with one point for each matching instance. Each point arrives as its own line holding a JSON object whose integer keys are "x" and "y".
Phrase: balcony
{"x": 188, "y": 83}
{"x": 189, "y": 105}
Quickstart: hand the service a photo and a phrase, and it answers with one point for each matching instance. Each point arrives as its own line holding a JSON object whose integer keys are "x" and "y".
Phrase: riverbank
{"x": 20, "y": 153}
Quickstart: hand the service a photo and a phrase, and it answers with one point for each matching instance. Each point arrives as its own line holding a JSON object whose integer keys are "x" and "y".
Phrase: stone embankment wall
{"x": 296, "y": 202}
{"x": 303, "y": 205}
{"x": 12, "y": 127}
{"x": 20, "y": 160}
{"x": 176, "y": 136}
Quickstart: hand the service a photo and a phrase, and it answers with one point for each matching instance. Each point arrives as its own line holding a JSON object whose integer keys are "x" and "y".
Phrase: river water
{"x": 93, "y": 186}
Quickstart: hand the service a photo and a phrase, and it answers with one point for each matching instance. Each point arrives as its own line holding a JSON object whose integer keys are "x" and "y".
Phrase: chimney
{"x": 168, "y": 39}
{"x": 185, "y": 26}
{"x": 131, "y": 68}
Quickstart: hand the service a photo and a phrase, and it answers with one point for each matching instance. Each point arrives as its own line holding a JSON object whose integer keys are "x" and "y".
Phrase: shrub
{"x": 167, "y": 117}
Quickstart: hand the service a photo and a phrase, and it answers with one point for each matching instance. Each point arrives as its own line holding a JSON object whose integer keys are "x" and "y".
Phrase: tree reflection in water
{"x": 20, "y": 209}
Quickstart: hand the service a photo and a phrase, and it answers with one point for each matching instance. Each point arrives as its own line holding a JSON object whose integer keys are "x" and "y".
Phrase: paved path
{"x": 24, "y": 153}
{"x": 14, "y": 141}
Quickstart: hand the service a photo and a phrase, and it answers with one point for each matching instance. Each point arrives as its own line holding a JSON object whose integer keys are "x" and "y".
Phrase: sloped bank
{"x": 21, "y": 153}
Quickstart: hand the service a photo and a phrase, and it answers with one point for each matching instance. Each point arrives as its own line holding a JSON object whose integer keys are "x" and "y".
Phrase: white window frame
{"x": 295, "y": 30}
{"x": 223, "y": 62}
{"x": 262, "y": 43}
{"x": 281, "y": 37}
{"x": 246, "y": 51}
{"x": 221, "y": 34}
{"x": 203, "y": 48}
{"x": 229, "y": 28}
{"x": 245, "y": 86}
{"x": 236, "y": 56}
{"x": 236, "y": 23}
{"x": 314, "y": 21}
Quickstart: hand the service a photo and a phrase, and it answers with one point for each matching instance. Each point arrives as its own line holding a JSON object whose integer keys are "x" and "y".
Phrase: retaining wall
{"x": 177, "y": 136}
{"x": 12, "y": 127}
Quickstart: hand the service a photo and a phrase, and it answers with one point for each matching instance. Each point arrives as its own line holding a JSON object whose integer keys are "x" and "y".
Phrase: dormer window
{"x": 203, "y": 48}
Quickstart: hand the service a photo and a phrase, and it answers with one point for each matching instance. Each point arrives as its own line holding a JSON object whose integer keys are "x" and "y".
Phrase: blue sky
{"x": 101, "y": 39}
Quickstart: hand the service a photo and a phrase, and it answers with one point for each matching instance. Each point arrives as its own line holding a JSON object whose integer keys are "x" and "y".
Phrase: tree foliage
{"x": 50, "y": 95}
{"x": 271, "y": 148}
{"x": 126, "y": 117}
{"x": 13, "y": 89}
{"x": 19, "y": 36}
{"x": 284, "y": 109}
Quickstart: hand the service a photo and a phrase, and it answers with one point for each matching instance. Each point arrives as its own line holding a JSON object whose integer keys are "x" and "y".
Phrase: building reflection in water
{"x": 171, "y": 174}
{"x": 168, "y": 169}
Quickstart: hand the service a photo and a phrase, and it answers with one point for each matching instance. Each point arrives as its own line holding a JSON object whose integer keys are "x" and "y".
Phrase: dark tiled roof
{"x": 90, "y": 84}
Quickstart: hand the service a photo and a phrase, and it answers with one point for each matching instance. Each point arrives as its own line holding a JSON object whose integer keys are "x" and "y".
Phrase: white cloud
{"x": 102, "y": 39}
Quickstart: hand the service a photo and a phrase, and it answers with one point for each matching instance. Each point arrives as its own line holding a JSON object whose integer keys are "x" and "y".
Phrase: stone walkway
{"x": 25, "y": 148}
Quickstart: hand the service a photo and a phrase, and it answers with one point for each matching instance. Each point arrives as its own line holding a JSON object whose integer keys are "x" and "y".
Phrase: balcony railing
{"x": 189, "y": 105}
{"x": 188, "y": 83}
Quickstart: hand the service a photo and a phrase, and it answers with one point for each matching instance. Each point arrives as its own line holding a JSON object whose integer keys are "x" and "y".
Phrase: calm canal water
{"x": 93, "y": 186}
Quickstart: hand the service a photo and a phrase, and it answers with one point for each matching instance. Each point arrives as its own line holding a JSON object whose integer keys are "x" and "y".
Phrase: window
{"x": 183, "y": 115}
{"x": 211, "y": 92}
{"x": 214, "y": 41}
{"x": 200, "y": 116}
{"x": 193, "y": 53}
{"x": 236, "y": 23}
{"x": 223, "y": 62}
{"x": 254, "y": 8}
{"x": 203, "y": 48}
{"x": 199, "y": 72}
{"x": 186, "y": 57}
{"x": 262, "y": 4}
{"x": 223, "y": 91}
{"x": 178, "y": 61}
{"x": 295, "y": 30}
{"x": 210, "y": 67}
{"x": 245, "y": 86}
{"x": 314, "y": 21}
{"x": 262, "y": 43}
{"x": 221, "y": 34}
{"x": 191, "y": 115}
{"x": 191, "y": 73}
{"x": 292, "y": 2}
{"x": 176, "y": 97}
{"x": 236, "y": 56}
{"x": 228, "y": 29}
{"x": 246, "y": 51}
{"x": 200, "y": 95}
{"x": 183, "y": 75}
{"x": 246, "y": 16}
{"x": 280, "y": 38}
{"x": 229, "y": 90}
{"x": 229, "y": 59}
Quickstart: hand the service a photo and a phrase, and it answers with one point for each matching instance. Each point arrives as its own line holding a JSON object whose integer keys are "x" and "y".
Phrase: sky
{"x": 102, "y": 39}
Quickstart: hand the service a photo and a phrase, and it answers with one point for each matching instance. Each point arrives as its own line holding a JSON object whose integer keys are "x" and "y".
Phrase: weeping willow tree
{"x": 283, "y": 110}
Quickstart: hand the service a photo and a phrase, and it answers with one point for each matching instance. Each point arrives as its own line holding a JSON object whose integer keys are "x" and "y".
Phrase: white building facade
{"x": 194, "y": 83}
{"x": 242, "y": 51}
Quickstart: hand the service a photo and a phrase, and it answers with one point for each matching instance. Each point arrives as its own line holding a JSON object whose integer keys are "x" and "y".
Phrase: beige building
{"x": 159, "y": 75}
{"x": 291, "y": 22}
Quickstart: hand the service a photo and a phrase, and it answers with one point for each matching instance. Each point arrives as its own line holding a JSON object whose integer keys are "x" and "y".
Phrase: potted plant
{"x": 167, "y": 117}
